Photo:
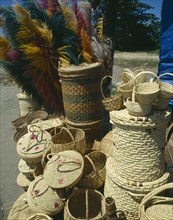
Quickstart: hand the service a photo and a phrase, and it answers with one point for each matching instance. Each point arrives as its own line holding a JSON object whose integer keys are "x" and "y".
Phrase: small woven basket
{"x": 39, "y": 216}
{"x": 154, "y": 207}
{"x": 166, "y": 89}
{"x": 111, "y": 103}
{"x": 126, "y": 89}
{"x": 146, "y": 92}
{"x": 94, "y": 172}
{"x": 35, "y": 116}
{"x": 85, "y": 204}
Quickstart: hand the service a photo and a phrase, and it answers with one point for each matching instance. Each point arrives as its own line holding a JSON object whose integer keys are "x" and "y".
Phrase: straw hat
{"x": 44, "y": 199}
{"x": 64, "y": 169}
{"x": 32, "y": 145}
{"x": 23, "y": 181}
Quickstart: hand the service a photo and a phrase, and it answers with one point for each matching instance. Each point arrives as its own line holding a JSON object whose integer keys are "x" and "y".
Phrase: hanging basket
{"x": 154, "y": 207}
{"x": 111, "y": 103}
{"x": 166, "y": 89}
{"x": 94, "y": 173}
{"x": 85, "y": 204}
{"x": 146, "y": 92}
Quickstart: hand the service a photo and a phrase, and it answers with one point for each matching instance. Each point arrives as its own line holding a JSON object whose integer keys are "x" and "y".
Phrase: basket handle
{"x": 144, "y": 72}
{"x": 54, "y": 131}
{"x": 92, "y": 163}
{"x": 101, "y": 84}
{"x": 70, "y": 134}
{"x": 164, "y": 74}
{"x": 155, "y": 192}
{"x": 86, "y": 203}
{"x": 129, "y": 73}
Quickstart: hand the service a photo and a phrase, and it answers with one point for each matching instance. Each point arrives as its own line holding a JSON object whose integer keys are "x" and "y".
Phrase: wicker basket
{"x": 81, "y": 92}
{"x": 44, "y": 199}
{"x": 166, "y": 89}
{"x": 85, "y": 204}
{"x": 139, "y": 144}
{"x": 127, "y": 75}
{"x": 39, "y": 216}
{"x": 137, "y": 109}
{"x": 126, "y": 89}
{"x": 35, "y": 116}
{"x": 146, "y": 92}
{"x": 111, "y": 103}
{"x": 94, "y": 172}
{"x": 154, "y": 207}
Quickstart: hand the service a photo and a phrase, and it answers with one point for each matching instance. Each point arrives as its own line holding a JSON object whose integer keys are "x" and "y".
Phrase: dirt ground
{"x": 9, "y": 111}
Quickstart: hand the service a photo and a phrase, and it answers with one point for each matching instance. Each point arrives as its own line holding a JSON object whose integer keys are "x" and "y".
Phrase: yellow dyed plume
{"x": 4, "y": 47}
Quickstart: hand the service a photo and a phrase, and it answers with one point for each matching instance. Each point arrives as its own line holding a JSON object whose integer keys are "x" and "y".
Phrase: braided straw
{"x": 157, "y": 207}
{"x": 94, "y": 172}
{"x": 166, "y": 89}
{"x": 42, "y": 198}
{"x": 111, "y": 103}
{"x": 85, "y": 204}
{"x": 146, "y": 92}
{"x": 39, "y": 216}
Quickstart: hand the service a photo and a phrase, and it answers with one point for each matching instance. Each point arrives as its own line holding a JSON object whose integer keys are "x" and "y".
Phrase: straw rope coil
{"x": 154, "y": 207}
{"x": 85, "y": 204}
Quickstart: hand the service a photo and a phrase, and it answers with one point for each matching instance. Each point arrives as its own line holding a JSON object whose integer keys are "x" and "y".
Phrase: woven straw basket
{"x": 35, "y": 116}
{"x": 85, "y": 204}
{"x": 69, "y": 139}
{"x": 94, "y": 172}
{"x": 146, "y": 92}
{"x": 19, "y": 122}
{"x": 166, "y": 89}
{"x": 113, "y": 102}
{"x": 139, "y": 143}
{"x": 43, "y": 199}
{"x": 23, "y": 181}
{"x": 39, "y": 216}
{"x": 154, "y": 207}
{"x": 136, "y": 108}
{"x": 81, "y": 92}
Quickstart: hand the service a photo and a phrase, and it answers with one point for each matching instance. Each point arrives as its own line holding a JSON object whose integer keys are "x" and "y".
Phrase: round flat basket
{"x": 155, "y": 207}
{"x": 33, "y": 145}
{"x": 44, "y": 199}
{"x": 23, "y": 181}
{"x": 63, "y": 169}
{"x": 35, "y": 116}
{"x": 20, "y": 209}
{"x": 39, "y": 216}
{"x": 85, "y": 204}
{"x": 94, "y": 173}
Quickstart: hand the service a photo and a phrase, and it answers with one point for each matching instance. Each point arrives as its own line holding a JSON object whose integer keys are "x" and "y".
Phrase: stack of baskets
{"x": 82, "y": 99}
{"x": 137, "y": 165}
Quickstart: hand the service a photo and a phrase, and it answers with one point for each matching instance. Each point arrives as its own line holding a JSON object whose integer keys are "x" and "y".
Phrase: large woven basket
{"x": 166, "y": 89}
{"x": 44, "y": 199}
{"x": 139, "y": 144}
{"x": 93, "y": 131}
{"x": 39, "y": 216}
{"x": 146, "y": 92}
{"x": 111, "y": 103}
{"x": 94, "y": 172}
{"x": 155, "y": 207}
{"x": 85, "y": 204}
{"x": 81, "y": 92}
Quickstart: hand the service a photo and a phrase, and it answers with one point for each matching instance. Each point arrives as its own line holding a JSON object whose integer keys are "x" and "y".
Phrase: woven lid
{"x": 32, "y": 145}
{"x": 23, "y": 181}
{"x": 20, "y": 209}
{"x": 64, "y": 169}
{"x": 26, "y": 167}
{"x": 44, "y": 199}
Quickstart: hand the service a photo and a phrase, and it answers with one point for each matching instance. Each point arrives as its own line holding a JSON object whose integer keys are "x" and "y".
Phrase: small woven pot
{"x": 35, "y": 116}
{"x": 85, "y": 204}
{"x": 166, "y": 89}
{"x": 94, "y": 172}
{"x": 137, "y": 108}
{"x": 39, "y": 216}
{"x": 44, "y": 199}
{"x": 111, "y": 103}
{"x": 154, "y": 207}
{"x": 146, "y": 92}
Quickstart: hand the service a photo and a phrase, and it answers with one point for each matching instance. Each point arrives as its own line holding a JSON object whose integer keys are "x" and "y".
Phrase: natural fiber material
{"x": 35, "y": 116}
{"x": 154, "y": 207}
{"x": 93, "y": 131}
{"x": 42, "y": 198}
{"x": 128, "y": 194}
{"x": 166, "y": 89}
{"x": 32, "y": 145}
{"x": 106, "y": 144}
{"x": 94, "y": 172}
{"x": 161, "y": 103}
{"x": 19, "y": 122}
{"x": 69, "y": 139}
{"x": 23, "y": 181}
{"x": 20, "y": 209}
{"x": 111, "y": 103}
{"x": 126, "y": 89}
{"x": 20, "y": 132}
{"x": 39, "y": 216}
{"x": 81, "y": 92}
{"x": 64, "y": 169}
{"x": 85, "y": 204}
{"x": 139, "y": 143}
